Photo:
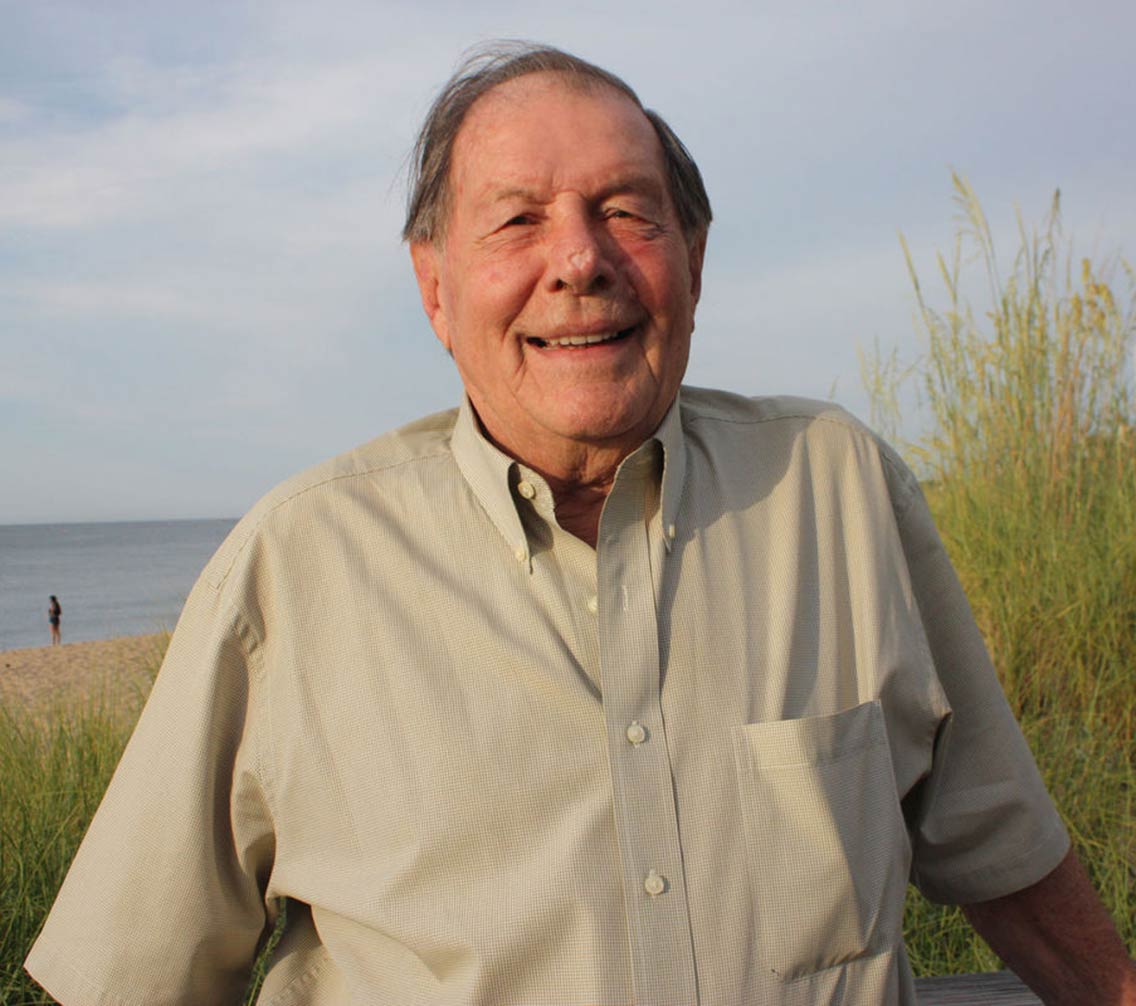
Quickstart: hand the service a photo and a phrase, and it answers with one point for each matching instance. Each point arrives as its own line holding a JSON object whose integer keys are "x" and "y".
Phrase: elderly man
{"x": 591, "y": 691}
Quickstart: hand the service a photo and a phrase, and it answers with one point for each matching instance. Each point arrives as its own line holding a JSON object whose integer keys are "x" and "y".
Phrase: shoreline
{"x": 45, "y": 677}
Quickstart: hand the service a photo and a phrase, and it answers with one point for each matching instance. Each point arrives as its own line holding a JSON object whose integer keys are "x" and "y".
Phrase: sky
{"x": 202, "y": 287}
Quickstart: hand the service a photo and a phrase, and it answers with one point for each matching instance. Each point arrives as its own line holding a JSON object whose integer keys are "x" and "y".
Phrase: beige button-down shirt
{"x": 486, "y": 764}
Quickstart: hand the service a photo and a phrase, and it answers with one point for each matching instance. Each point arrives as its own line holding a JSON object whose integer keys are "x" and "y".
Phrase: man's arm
{"x": 1058, "y": 938}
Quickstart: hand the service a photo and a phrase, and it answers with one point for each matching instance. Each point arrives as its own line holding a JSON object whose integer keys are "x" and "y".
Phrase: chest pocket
{"x": 827, "y": 854}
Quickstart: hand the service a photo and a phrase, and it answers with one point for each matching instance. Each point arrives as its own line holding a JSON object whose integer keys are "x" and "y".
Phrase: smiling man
{"x": 566, "y": 283}
{"x": 591, "y": 691}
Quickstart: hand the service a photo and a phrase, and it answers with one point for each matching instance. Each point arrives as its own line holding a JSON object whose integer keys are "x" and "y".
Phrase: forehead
{"x": 549, "y": 124}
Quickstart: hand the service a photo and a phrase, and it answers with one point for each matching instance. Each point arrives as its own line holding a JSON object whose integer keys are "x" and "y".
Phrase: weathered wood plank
{"x": 998, "y": 988}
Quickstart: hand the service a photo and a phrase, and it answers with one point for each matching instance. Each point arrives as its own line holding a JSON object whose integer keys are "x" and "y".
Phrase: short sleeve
{"x": 164, "y": 902}
{"x": 985, "y": 825}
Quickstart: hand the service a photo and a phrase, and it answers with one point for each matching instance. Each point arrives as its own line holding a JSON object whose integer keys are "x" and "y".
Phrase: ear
{"x": 697, "y": 253}
{"x": 428, "y": 272}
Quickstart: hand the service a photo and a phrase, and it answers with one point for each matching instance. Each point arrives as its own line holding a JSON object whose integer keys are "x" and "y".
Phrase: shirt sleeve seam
{"x": 905, "y": 480}
{"x": 290, "y": 994}
{"x": 845, "y": 421}
{"x": 258, "y": 684}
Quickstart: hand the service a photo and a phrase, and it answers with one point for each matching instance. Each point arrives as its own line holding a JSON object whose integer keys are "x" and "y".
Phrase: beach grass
{"x": 53, "y": 771}
{"x": 1029, "y": 467}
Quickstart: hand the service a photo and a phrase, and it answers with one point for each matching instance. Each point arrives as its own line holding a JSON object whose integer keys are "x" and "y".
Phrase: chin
{"x": 607, "y": 427}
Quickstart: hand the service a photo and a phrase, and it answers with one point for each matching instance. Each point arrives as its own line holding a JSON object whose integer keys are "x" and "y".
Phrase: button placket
{"x": 642, "y": 781}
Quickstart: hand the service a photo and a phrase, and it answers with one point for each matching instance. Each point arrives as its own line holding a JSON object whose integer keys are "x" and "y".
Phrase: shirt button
{"x": 526, "y": 490}
{"x": 593, "y": 604}
{"x": 520, "y": 555}
{"x": 671, "y": 532}
{"x": 636, "y": 733}
{"x": 654, "y": 885}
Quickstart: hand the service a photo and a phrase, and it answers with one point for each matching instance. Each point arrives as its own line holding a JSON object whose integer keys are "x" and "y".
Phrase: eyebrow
{"x": 514, "y": 193}
{"x": 635, "y": 182}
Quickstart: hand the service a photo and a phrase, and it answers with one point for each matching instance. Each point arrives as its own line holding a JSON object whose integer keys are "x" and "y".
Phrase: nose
{"x": 579, "y": 262}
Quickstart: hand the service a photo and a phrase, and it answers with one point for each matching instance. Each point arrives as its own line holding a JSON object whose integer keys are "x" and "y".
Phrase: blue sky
{"x": 202, "y": 289}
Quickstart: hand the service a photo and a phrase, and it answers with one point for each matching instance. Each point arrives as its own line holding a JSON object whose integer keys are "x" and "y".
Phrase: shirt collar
{"x": 670, "y": 437}
{"x": 491, "y": 473}
{"x": 488, "y": 472}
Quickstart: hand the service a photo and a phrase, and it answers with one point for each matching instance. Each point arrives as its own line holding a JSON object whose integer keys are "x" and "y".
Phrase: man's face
{"x": 564, "y": 286}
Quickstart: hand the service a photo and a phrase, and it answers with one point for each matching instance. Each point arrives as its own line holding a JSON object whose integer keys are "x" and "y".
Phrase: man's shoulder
{"x": 708, "y": 405}
{"x": 382, "y": 462}
{"x": 786, "y": 418}
{"x": 423, "y": 440}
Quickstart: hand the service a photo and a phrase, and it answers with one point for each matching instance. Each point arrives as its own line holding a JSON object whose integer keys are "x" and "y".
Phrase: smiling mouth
{"x": 580, "y": 341}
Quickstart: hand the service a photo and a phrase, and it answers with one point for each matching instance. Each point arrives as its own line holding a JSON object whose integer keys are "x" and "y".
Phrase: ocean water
{"x": 112, "y": 579}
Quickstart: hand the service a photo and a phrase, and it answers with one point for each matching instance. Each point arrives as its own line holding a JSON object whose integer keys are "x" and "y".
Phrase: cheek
{"x": 498, "y": 286}
{"x": 499, "y": 292}
{"x": 662, "y": 282}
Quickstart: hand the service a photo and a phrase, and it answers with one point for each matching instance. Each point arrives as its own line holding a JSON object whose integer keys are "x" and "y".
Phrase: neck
{"x": 580, "y": 504}
{"x": 579, "y": 473}
{"x": 579, "y": 486}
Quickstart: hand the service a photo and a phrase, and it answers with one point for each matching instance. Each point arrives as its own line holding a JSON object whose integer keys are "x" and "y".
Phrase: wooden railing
{"x": 999, "y": 988}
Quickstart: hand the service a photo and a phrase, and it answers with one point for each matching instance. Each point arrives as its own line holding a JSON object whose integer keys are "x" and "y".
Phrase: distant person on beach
{"x": 54, "y": 615}
{"x": 592, "y": 690}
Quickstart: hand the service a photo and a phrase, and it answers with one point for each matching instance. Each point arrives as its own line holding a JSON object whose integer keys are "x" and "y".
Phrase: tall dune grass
{"x": 1029, "y": 465}
{"x": 53, "y": 771}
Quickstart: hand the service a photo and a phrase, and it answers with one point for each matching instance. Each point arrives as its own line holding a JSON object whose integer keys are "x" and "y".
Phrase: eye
{"x": 518, "y": 221}
{"x": 617, "y": 213}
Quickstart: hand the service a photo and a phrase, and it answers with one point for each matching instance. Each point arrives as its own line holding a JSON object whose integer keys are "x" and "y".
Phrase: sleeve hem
{"x": 999, "y": 879}
{"x": 50, "y": 968}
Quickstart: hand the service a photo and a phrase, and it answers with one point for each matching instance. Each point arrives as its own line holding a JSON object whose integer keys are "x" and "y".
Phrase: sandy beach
{"x": 44, "y": 676}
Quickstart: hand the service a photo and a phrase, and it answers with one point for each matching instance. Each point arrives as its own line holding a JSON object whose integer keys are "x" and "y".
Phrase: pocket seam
{"x": 752, "y": 762}
{"x": 858, "y": 958}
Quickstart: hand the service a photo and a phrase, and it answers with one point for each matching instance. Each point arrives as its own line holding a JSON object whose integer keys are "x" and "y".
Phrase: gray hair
{"x": 483, "y": 69}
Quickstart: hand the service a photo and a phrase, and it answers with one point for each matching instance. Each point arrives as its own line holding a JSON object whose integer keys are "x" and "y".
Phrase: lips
{"x": 579, "y": 341}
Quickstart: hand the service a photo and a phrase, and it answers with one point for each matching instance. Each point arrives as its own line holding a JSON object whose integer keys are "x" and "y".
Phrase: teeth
{"x": 582, "y": 340}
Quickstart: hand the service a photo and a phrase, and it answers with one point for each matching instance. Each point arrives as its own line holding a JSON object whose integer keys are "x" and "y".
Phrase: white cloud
{"x": 13, "y": 112}
{"x": 128, "y": 165}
